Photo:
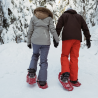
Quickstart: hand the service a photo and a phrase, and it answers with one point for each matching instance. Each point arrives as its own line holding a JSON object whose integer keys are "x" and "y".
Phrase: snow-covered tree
{"x": 1, "y": 20}
{"x": 17, "y": 14}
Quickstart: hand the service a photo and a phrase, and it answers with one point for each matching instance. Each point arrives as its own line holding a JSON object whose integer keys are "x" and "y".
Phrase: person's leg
{"x": 43, "y": 63}
{"x": 35, "y": 56}
{"x": 74, "y": 54}
{"x": 66, "y": 47}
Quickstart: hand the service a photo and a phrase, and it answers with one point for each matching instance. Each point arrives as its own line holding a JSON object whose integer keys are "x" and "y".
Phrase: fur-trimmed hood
{"x": 42, "y": 12}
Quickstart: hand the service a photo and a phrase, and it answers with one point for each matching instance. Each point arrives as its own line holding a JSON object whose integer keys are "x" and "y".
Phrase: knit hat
{"x": 68, "y": 9}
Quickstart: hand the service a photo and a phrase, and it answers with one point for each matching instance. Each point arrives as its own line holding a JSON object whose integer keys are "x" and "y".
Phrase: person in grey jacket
{"x": 41, "y": 25}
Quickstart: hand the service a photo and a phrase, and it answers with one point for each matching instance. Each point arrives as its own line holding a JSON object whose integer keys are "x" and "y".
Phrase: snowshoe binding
{"x": 42, "y": 84}
{"x": 64, "y": 80}
{"x": 75, "y": 83}
{"x": 31, "y": 76}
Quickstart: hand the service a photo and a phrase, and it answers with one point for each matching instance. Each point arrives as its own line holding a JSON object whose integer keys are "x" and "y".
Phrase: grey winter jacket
{"x": 38, "y": 32}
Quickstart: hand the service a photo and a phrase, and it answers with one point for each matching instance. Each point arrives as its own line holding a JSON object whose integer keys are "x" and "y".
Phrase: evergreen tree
{"x": 15, "y": 15}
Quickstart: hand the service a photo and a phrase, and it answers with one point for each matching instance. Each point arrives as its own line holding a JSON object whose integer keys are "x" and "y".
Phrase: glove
{"x": 88, "y": 43}
{"x": 55, "y": 43}
{"x": 29, "y": 46}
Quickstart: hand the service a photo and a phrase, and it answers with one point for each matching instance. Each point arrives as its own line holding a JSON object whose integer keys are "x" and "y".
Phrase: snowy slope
{"x": 14, "y": 62}
{"x": 15, "y": 59}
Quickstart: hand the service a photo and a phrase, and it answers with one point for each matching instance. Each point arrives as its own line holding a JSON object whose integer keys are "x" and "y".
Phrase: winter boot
{"x": 31, "y": 76}
{"x": 42, "y": 84}
{"x": 75, "y": 83}
{"x": 64, "y": 80}
{"x": 65, "y": 77}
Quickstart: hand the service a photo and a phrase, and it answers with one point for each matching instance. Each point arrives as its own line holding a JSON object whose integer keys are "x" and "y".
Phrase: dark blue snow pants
{"x": 42, "y": 51}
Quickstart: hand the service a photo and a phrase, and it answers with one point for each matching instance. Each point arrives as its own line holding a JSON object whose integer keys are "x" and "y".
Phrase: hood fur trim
{"x": 44, "y": 11}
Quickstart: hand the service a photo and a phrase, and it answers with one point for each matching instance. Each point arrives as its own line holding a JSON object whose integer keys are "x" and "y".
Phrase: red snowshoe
{"x": 31, "y": 80}
{"x": 67, "y": 85}
{"x": 43, "y": 87}
{"x": 76, "y": 84}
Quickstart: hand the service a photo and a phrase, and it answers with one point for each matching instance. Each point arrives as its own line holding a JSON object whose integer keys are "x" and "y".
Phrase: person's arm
{"x": 85, "y": 28}
{"x": 59, "y": 25}
{"x": 86, "y": 32}
{"x": 53, "y": 30}
{"x": 30, "y": 32}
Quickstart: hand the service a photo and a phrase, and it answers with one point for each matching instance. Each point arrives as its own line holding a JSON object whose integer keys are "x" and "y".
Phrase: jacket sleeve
{"x": 30, "y": 32}
{"x": 53, "y": 30}
{"x": 59, "y": 25}
{"x": 85, "y": 28}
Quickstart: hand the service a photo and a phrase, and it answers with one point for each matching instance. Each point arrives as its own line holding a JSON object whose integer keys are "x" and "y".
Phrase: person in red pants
{"x": 72, "y": 23}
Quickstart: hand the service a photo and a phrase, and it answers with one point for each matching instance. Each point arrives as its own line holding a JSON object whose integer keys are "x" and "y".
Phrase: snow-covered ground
{"x": 14, "y": 62}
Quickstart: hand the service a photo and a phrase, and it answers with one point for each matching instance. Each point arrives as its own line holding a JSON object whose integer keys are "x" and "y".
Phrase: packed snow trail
{"x": 15, "y": 60}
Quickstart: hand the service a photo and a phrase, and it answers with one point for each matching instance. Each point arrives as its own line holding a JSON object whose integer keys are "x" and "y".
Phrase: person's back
{"x": 39, "y": 36}
{"x": 72, "y": 23}
{"x": 40, "y": 25}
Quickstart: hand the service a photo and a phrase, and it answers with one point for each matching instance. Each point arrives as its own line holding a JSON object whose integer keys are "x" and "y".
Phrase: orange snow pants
{"x": 70, "y": 47}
